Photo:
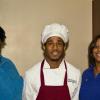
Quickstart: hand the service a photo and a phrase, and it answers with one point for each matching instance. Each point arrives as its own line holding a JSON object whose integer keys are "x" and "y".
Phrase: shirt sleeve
{"x": 28, "y": 93}
{"x": 75, "y": 95}
{"x": 14, "y": 82}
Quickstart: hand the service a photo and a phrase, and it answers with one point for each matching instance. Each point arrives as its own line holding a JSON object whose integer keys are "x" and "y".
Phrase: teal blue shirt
{"x": 11, "y": 83}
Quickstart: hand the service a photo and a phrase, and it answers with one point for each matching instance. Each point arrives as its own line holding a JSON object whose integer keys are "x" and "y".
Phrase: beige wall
{"x": 23, "y": 20}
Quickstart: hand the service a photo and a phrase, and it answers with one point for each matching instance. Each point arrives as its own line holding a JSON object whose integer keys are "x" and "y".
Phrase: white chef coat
{"x": 53, "y": 77}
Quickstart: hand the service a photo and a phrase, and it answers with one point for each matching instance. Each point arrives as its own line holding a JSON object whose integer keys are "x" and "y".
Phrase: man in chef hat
{"x": 53, "y": 78}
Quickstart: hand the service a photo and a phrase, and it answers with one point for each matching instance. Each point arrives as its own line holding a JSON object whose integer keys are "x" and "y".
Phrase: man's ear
{"x": 66, "y": 45}
{"x": 43, "y": 46}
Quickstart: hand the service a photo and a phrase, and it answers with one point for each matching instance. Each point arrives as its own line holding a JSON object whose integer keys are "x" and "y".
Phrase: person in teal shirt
{"x": 11, "y": 83}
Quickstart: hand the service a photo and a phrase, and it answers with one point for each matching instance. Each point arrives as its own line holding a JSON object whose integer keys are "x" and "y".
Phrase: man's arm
{"x": 27, "y": 90}
{"x": 75, "y": 95}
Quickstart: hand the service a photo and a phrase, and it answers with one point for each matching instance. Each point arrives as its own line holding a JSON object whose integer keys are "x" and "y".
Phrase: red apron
{"x": 53, "y": 92}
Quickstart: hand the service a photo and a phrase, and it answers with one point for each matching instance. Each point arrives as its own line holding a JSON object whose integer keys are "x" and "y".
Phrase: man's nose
{"x": 55, "y": 46}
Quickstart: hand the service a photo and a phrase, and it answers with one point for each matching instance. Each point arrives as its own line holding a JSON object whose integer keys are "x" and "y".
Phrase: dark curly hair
{"x": 2, "y": 39}
{"x": 91, "y": 59}
{"x": 2, "y": 35}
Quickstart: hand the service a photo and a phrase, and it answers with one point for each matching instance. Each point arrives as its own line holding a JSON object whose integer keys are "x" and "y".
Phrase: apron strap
{"x": 41, "y": 74}
{"x": 65, "y": 79}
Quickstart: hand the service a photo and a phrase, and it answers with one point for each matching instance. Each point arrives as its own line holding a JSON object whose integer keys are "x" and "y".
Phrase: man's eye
{"x": 49, "y": 43}
{"x": 60, "y": 43}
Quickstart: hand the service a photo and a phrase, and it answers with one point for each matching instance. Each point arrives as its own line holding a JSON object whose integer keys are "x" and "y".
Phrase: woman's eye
{"x": 97, "y": 47}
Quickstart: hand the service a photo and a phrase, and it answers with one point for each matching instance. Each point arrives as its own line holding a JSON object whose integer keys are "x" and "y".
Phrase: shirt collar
{"x": 47, "y": 66}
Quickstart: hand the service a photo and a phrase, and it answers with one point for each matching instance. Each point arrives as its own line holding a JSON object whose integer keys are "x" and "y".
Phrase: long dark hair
{"x": 91, "y": 59}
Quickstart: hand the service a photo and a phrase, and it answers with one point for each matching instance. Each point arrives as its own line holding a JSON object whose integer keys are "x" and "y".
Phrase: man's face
{"x": 54, "y": 48}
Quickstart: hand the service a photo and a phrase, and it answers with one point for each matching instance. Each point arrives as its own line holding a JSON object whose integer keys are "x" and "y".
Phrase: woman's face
{"x": 96, "y": 51}
{"x": 54, "y": 48}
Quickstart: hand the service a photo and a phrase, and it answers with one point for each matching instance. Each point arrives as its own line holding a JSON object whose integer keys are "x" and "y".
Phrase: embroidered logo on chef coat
{"x": 71, "y": 80}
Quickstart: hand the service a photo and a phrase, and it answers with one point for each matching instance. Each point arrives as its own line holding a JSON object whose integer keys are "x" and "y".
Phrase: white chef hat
{"x": 55, "y": 29}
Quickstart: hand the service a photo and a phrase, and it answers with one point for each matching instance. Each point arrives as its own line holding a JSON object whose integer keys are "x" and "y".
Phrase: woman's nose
{"x": 98, "y": 48}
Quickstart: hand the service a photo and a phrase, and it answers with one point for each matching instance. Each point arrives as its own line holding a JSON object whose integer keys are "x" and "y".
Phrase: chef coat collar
{"x": 47, "y": 66}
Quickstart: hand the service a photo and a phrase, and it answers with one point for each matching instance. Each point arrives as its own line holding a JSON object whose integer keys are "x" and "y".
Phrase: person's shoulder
{"x": 34, "y": 67}
{"x": 73, "y": 73}
{"x": 86, "y": 72}
{"x": 9, "y": 66}
{"x": 72, "y": 68}
{"x": 33, "y": 73}
{"x": 33, "y": 70}
{"x": 6, "y": 62}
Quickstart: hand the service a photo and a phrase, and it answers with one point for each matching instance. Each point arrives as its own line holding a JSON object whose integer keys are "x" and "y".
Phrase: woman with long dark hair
{"x": 90, "y": 86}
